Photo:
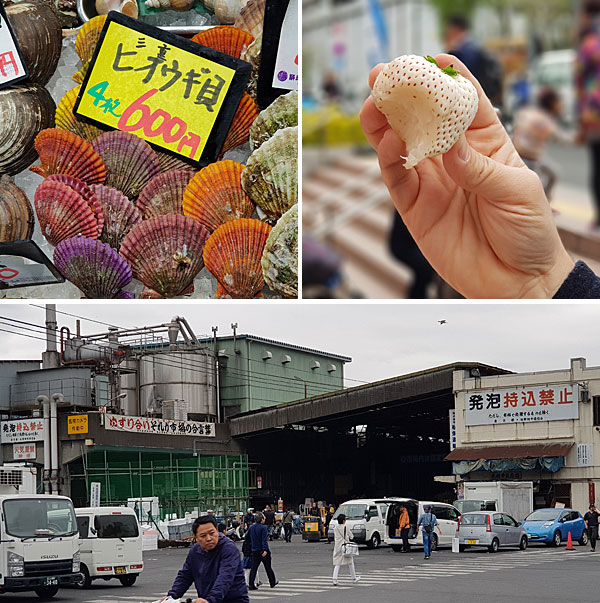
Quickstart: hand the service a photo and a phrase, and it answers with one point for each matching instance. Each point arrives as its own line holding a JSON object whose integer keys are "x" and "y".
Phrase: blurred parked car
{"x": 552, "y": 526}
{"x": 556, "y": 69}
{"x": 491, "y": 530}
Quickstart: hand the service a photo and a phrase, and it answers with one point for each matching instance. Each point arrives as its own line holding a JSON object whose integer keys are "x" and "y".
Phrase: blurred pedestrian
{"x": 248, "y": 560}
{"x": 260, "y": 552}
{"x": 248, "y": 518}
{"x": 591, "y": 525}
{"x": 288, "y": 520}
{"x": 587, "y": 79}
{"x": 480, "y": 62}
{"x": 342, "y": 536}
{"x": 331, "y": 88}
{"x": 534, "y": 127}
{"x": 428, "y": 522}
{"x": 404, "y": 527}
{"x": 269, "y": 520}
{"x": 222, "y": 529}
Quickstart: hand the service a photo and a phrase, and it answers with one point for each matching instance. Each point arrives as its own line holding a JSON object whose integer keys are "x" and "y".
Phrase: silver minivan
{"x": 490, "y": 529}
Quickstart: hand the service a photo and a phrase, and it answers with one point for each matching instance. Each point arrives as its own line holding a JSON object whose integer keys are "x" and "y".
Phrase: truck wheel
{"x": 128, "y": 580}
{"x": 556, "y": 540}
{"x": 493, "y": 548}
{"x": 46, "y": 592}
{"x": 584, "y": 539}
{"x": 374, "y": 542}
{"x": 85, "y": 581}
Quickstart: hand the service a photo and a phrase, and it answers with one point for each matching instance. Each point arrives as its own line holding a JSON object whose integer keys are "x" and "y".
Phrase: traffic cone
{"x": 570, "y": 543}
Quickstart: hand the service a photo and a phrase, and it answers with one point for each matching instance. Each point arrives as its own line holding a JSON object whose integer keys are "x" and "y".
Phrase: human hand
{"x": 200, "y": 601}
{"x": 477, "y": 213}
{"x": 264, "y": 553}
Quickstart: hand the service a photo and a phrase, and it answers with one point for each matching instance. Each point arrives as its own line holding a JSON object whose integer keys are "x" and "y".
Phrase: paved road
{"x": 537, "y": 575}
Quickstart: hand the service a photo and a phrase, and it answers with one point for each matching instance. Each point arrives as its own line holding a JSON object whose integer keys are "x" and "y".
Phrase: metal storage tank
{"x": 129, "y": 404}
{"x": 178, "y": 376}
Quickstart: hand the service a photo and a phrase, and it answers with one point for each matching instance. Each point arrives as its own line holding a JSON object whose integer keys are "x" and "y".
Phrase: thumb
{"x": 477, "y": 173}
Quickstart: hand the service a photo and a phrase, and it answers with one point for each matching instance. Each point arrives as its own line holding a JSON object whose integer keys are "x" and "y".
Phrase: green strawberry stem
{"x": 447, "y": 70}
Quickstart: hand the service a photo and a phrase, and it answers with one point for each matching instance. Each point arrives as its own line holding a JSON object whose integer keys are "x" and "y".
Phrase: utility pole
{"x": 216, "y": 364}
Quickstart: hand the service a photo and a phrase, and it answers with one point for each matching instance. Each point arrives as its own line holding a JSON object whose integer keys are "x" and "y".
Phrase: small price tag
{"x": 23, "y": 264}
{"x": 12, "y": 66}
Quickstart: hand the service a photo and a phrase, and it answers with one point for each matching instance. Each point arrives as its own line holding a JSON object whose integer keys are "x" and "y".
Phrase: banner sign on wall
{"x": 159, "y": 426}
{"x": 522, "y": 404}
{"x": 23, "y": 430}
{"x": 23, "y": 452}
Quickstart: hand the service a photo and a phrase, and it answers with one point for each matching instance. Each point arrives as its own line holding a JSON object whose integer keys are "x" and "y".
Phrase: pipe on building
{"x": 51, "y": 328}
{"x": 45, "y": 401}
{"x": 54, "y": 441}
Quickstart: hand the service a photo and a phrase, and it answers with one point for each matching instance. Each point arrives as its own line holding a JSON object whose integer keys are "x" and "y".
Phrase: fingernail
{"x": 464, "y": 150}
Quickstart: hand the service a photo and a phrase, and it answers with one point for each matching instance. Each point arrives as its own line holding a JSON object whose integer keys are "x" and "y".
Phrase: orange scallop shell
{"x": 66, "y": 119}
{"x": 88, "y": 37}
{"x": 222, "y": 293}
{"x": 226, "y": 39}
{"x": 165, "y": 253}
{"x": 63, "y": 152}
{"x": 239, "y": 131}
{"x": 215, "y": 195}
{"x": 232, "y": 255}
{"x": 63, "y": 213}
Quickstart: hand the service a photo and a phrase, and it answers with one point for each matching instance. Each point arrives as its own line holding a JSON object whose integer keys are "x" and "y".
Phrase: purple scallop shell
{"x": 124, "y": 294}
{"x": 95, "y": 267}
{"x": 120, "y": 214}
{"x": 130, "y": 161}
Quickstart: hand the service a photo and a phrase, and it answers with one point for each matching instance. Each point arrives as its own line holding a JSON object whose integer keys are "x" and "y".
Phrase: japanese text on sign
{"x": 11, "y": 67}
{"x": 24, "y": 451}
{"x": 25, "y": 430}
{"x": 286, "y": 66}
{"x": 163, "y": 94}
{"x": 77, "y": 424}
{"x": 159, "y": 426}
{"x": 522, "y": 405}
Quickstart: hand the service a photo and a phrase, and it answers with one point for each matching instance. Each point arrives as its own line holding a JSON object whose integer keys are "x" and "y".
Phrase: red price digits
{"x": 8, "y": 273}
{"x": 170, "y": 128}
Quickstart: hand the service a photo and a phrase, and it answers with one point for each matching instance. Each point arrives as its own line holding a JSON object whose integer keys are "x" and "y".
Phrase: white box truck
{"x": 513, "y": 498}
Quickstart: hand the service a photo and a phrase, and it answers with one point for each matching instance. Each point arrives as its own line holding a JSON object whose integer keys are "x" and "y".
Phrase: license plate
{"x": 471, "y": 541}
{"x": 120, "y": 569}
{"x": 50, "y": 581}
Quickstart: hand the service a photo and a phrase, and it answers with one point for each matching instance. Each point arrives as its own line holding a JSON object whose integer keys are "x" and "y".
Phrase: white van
{"x": 366, "y": 518}
{"x": 447, "y": 516}
{"x": 110, "y": 544}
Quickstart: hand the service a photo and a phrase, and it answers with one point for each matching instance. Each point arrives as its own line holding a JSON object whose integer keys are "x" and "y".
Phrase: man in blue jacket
{"x": 260, "y": 551}
{"x": 213, "y": 565}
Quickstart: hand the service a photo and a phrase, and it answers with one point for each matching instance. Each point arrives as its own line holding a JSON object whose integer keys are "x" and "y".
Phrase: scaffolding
{"x": 182, "y": 481}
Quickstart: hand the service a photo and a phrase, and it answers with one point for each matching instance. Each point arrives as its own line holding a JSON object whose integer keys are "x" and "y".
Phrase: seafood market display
{"x": 122, "y": 219}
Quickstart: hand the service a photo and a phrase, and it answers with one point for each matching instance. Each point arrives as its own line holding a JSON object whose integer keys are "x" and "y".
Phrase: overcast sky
{"x": 383, "y": 340}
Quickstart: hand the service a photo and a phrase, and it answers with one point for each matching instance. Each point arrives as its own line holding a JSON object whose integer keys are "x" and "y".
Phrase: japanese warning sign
{"x": 173, "y": 93}
{"x": 12, "y": 67}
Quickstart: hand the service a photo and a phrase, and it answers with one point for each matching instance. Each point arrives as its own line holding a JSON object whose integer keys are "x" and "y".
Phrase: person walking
{"x": 591, "y": 525}
{"x": 428, "y": 521}
{"x": 260, "y": 552}
{"x": 248, "y": 518}
{"x": 288, "y": 520}
{"x": 404, "y": 527}
{"x": 269, "y": 520}
{"x": 342, "y": 536}
{"x": 247, "y": 560}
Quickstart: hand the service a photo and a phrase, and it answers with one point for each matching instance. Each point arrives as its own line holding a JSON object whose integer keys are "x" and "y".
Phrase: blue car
{"x": 552, "y": 526}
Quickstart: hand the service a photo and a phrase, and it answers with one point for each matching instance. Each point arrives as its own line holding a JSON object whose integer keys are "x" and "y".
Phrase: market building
{"x": 542, "y": 427}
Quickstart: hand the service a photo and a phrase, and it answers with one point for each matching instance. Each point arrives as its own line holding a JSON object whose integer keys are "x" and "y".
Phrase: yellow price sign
{"x": 77, "y": 424}
{"x": 173, "y": 93}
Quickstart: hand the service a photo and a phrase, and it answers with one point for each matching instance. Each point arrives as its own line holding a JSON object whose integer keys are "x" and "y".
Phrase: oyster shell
{"x": 215, "y": 195}
{"x": 227, "y": 11}
{"x": 251, "y": 18}
{"x": 232, "y": 255}
{"x": 130, "y": 161}
{"x": 38, "y": 31}
{"x": 25, "y": 111}
{"x": 225, "y": 39}
{"x": 164, "y": 194}
{"x": 66, "y": 119}
{"x": 165, "y": 253}
{"x": 239, "y": 131}
{"x": 271, "y": 175}
{"x": 63, "y": 213}
{"x": 280, "y": 256}
{"x": 88, "y": 37}
{"x": 63, "y": 152}
{"x": 252, "y": 55}
{"x": 16, "y": 213}
{"x": 281, "y": 113}
{"x": 95, "y": 267}
{"x": 120, "y": 214}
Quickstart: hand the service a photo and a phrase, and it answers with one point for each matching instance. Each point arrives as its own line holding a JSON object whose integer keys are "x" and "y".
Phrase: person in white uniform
{"x": 342, "y": 535}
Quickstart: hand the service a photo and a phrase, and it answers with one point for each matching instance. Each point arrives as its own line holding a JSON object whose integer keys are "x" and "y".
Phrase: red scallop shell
{"x": 239, "y": 131}
{"x": 164, "y": 194}
{"x": 63, "y": 152}
{"x": 165, "y": 252}
{"x": 63, "y": 213}
{"x": 215, "y": 195}
{"x": 226, "y": 39}
{"x": 232, "y": 255}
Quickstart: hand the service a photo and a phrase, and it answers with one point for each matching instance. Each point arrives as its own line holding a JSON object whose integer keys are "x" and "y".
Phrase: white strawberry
{"x": 428, "y": 107}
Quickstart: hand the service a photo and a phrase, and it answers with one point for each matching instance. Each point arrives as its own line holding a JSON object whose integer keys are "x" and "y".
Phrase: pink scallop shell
{"x": 164, "y": 193}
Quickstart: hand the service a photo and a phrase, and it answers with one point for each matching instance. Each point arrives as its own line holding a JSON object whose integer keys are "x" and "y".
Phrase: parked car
{"x": 491, "y": 530}
{"x": 552, "y": 526}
